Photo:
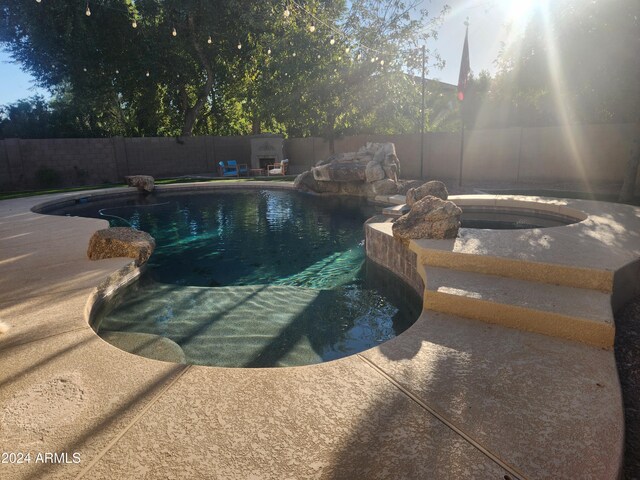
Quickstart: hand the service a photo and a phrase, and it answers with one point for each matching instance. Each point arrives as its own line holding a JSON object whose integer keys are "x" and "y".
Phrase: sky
{"x": 487, "y": 21}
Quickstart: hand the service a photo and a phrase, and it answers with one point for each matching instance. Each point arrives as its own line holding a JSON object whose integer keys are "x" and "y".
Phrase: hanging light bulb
{"x": 146, "y": 74}
{"x": 359, "y": 57}
{"x": 239, "y": 46}
{"x": 319, "y": 56}
{"x": 294, "y": 54}
{"x": 269, "y": 52}
{"x": 312, "y": 28}
{"x": 84, "y": 69}
{"x": 87, "y": 12}
{"x": 373, "y": 59}
{"x": 332, "y": 41}
{"x": 209, "y": 41}
{"x": 174, "y": 32}
{"x": 134, "y": 24}
{"x": 286, "y": 12}
{"x": 347, "y": 50}
{"x": 117, "y": 71}
{"x": 382, "y": 63}
{"x": 38, "y": 1}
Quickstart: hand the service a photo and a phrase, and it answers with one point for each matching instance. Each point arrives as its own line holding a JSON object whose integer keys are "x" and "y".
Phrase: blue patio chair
{"x": 228, "y": 170}
{"x": 241, "y": 168}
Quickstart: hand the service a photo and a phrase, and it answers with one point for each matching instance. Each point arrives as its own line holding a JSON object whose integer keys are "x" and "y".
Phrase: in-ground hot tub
{"x": 512, "y": 214}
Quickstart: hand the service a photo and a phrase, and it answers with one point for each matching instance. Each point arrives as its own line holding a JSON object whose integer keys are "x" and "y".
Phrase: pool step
{"x": 577, "y": 314}
{"x": 441, "y": 254}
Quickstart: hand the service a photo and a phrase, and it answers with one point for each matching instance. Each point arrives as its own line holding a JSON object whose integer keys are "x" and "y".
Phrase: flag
{"x": 463, "y": 78}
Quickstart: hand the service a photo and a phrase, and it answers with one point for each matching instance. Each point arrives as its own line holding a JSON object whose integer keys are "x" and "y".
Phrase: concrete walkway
{"x": 449, "y": 398}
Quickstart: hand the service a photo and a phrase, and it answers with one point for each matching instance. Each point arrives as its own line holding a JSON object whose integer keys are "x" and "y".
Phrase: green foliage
{"x": 575, "y": 62}
{"x": 109, "y": 78}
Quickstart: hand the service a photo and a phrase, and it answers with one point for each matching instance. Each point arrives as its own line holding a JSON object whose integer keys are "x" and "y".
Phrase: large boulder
{"x": 341, "y": 171}
{"x": 433, "y": 188}
{"x": 429, "y": 217}
{"x": 374, "y": 172}
{"x": 121, "y": 242}
{"x": 405, "y": 185}
{"x": 144, "y": 183}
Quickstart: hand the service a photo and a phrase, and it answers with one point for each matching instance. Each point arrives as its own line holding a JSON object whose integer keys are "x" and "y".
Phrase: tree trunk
{"x": 631, "y": 173}
{"x": 191, "y": 113}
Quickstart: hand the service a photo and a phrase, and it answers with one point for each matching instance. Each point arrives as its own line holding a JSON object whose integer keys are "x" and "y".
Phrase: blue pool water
{"x": 256, "y": 278}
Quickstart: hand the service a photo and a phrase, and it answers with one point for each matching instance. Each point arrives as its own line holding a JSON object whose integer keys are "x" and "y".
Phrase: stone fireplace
{"x": 266, "y": 149}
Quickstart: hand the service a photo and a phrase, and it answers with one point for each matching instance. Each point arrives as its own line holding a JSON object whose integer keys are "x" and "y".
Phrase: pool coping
{"x": 391, "y": 375}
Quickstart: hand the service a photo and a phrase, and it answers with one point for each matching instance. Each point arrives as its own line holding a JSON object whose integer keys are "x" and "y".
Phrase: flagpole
{"x": 462, "y": 86}
{"x": 422, "y": 115}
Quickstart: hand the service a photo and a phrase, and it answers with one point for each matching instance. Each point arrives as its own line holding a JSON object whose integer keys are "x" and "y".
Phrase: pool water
{"x": 256, "y": 278}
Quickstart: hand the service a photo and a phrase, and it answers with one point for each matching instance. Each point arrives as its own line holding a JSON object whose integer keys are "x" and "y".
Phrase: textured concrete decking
{"x": 450, "y": 398}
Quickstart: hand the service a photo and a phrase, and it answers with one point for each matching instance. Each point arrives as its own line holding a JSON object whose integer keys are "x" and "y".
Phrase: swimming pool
{"x": 255, "y": 278}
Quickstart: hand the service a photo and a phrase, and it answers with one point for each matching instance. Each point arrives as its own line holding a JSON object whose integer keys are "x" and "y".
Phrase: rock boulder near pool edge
{"x": 429, "y": 217}
{"x": 121, "y": 242}
{"x": 144, "y": 183}
{"x": 435, "y": 188}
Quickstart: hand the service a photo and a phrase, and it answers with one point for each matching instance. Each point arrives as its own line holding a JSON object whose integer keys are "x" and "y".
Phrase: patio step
{"x": 438, "y": 253}
{"x": 567, "y": 312}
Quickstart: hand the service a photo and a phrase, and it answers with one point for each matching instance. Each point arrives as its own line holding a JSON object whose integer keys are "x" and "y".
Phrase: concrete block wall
{"x": 582, "y": 154}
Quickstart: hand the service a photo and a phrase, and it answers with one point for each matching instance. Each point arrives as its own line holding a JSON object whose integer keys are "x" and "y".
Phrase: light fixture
{"x": 286, "y": 12}
{"x": 38, "y": 1}
{"x": 269, "y": 52}
{"x": 373, "y": 59}
{"x": 209, "y": 41}
{"x": 146, "y": 74}
{"x": 239, "y": 46}
{"x": 319, "y": 56}
{"x": 312, "y": 28}
{"x": 332, "y": 41}
{"x": 87, "y": 12}
{"x": 174, "y": 32}
{"x": 382, "y": 63}
{"x": 294, "y": 54}
{"x": 117, "y": 72}
{"x": 84, "y": 69}
{"x": 134, "y": 24}
{"x": 359, "y": 57}
{"x": 347, "y": 50}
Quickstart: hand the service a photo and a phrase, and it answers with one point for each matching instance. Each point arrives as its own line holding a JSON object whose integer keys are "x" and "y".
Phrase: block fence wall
{"x": 586, "y": 153}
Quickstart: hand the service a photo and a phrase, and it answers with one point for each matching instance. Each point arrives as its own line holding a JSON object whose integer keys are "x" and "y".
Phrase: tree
{"x": 224, "y": 66}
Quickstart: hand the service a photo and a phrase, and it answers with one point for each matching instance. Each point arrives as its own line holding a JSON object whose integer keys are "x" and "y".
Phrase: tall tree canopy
{"x": 183, "y": 67}
{"x": 576, "y": 61}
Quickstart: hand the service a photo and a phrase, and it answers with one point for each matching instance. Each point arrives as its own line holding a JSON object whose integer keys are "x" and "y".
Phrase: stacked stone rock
{"x": 431, "y": 214}
{"x": 373, "y": 170}
{"x": 144, "y": 183}
{"x": 121, "y": 242}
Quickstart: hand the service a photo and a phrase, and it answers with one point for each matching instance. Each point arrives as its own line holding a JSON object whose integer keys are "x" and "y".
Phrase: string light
{"x": 146, "y": 74}
{"x": 359, "y": 57}
{"x": 134, "y": 24}
{"x": 286, "y": 12}
{"x": 294, "y": 54}
{"x": 312, "y": 28}
{"x": 88, "y": 11}
{"x": 239, "y": 46}
{"x": 269, "y": 52}
{"x": 117, "y": 72}
{"x": 382, "y": 63}
{"x": 347, "y": 50}
{"x": 332, "y": 41}
{"x": 38, "y": 1}
{"x": 209, "y": 41}
{"x": 174, "y": 32}
{"x": 84, "y": 69}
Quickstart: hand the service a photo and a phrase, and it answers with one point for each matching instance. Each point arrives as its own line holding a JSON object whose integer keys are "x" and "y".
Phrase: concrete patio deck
{"x": 449, "y": 398}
